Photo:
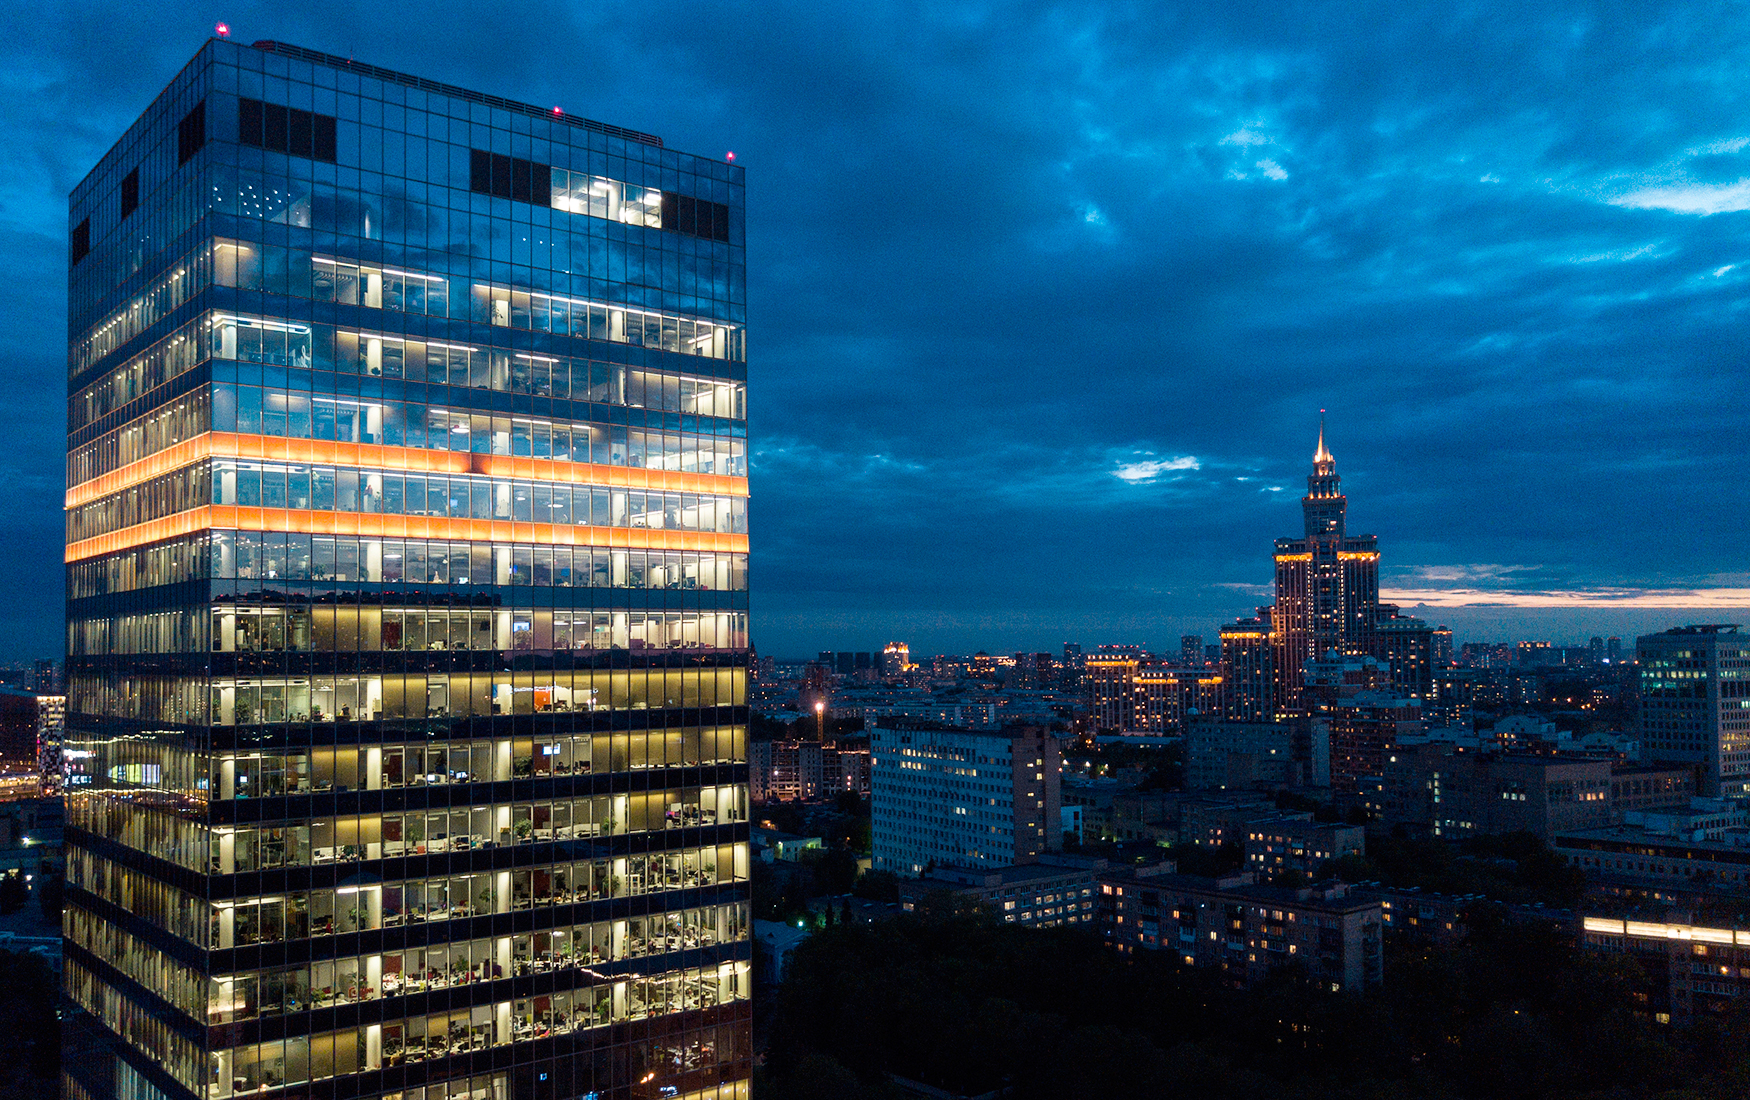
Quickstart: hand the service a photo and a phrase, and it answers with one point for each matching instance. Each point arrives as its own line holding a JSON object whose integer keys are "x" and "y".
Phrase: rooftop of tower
{"x": 377, "y": 73}
{"x": 1322, "y": 455}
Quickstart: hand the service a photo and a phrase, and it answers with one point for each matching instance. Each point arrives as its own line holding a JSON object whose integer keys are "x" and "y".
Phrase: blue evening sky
{"x": 1045, "y": 299}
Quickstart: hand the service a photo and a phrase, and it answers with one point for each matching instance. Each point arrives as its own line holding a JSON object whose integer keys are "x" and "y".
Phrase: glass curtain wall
{"x": 407, "y": 598}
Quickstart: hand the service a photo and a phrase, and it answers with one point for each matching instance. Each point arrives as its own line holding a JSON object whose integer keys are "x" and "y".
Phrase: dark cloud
{"x": 1045, "y": 298}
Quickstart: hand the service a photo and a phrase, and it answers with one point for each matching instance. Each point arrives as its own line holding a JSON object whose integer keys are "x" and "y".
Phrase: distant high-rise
{"x": 1248, "y": 669}
{"x": 1327, "y": 582}
{"x": 1442, "y": 642}
{"x": 1613, "y": 650}
{"x": 1191, "y": 650}
{"x": 895, "y": 658}
{"x": 1111, "y": 684}
{"x": 1695, "y": 704}
{"x": 1407, "y": 644}
{"x": 407, "y": 618}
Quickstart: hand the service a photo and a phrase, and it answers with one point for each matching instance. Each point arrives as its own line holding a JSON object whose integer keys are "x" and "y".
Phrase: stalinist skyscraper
{"x": 1327, "y": 582}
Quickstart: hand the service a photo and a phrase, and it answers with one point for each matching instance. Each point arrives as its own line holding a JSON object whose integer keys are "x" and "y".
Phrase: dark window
{"x": 695, "y": 217}
{"x": 274, "y": 132}
{"x": 510, "y": 177}
{"x": 300, "y": 139}
{"x": 81, "y": 240}
{"x": 325, "y": 143}
{"x": 286, "y": 130}
{"x": 191, "y": 133}
{"x": 130, "y": 192}
{"x": 249, "y": 122}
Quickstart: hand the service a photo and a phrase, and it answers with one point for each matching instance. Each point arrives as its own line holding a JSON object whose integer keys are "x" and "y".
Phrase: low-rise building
{"x": 770, "y": 846}
{"x": 1243, "y": 929}
{"x": 1690, "y": 969}
{"x": 1211, "y": 823}
{"x": 1440, "y": 788}
{"x": 805, "y": 771}
{"x": 1420, "y": 916}
{"x": 1282, "y": 843}
{"x": 1057, "y": 891}
{"x": 1651, "y": 787}
{"x": 774, "y": 941}
{"x": 1644, "y": 861}
{"x": 1228, "y": 755}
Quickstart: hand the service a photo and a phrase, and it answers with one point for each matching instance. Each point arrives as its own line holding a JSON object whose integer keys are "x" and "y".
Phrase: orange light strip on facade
{"x": 273, "y": 448}
{"x": 373, "y": 525}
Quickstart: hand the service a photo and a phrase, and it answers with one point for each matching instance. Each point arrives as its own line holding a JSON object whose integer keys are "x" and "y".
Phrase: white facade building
{"x": 963, "y": 798}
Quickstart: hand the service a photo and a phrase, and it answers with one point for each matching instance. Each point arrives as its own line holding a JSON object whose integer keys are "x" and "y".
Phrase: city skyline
{"x": 1466, "y": 237}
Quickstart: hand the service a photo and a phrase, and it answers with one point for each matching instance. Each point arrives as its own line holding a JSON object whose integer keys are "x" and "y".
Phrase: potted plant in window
{"x": 523, "y": 828}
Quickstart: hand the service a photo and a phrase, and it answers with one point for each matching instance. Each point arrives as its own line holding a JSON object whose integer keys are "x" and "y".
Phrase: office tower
{"x": 1248, "y": 669}
{"x": 1613, "y": 650}
{"x": 1327, "y": 582}
{"x": 943, "y": 798}
{"x": 1695, "y": 704}
{"x": 46, "y": 677}
{"x": 1191, "y": 650}
{"x": 406, "y": 597}
{"x": 1595, "y": 650}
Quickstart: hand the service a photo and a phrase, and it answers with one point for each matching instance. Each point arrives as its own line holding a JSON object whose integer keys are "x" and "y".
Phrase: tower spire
{"x": 1322, "y": 455}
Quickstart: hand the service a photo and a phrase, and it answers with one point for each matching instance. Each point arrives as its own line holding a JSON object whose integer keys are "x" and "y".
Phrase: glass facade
{"x": 407, "y": 597}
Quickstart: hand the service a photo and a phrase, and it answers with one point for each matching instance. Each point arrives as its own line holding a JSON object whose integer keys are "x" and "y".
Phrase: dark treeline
{"x": 969, "y": 1005}
{"x": 30, "y": 1036}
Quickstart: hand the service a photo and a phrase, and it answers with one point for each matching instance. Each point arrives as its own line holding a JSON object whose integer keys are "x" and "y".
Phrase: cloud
{"x": 1002, "y": 288}
{"x": 1691, "y": 198}
{"x": 1675, "y": 599}
{"x": 1144, "y": 470}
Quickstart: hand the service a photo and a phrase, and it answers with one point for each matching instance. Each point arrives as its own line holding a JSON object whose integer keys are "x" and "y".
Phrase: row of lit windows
{"x": 302, "y": 415}
{"x": 296, "y": 273}
{"x": 376, "y": 1046}
{"x": 296, "y": 556}
{"x": 330, "y": 982}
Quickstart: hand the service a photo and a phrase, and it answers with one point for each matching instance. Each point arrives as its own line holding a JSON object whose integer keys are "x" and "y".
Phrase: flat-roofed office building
{"x": 406, "y": 544}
